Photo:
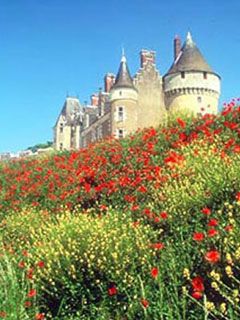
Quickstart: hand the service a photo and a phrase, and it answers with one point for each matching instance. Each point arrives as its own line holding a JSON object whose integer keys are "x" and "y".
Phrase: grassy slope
{"x": 146, "y": 227}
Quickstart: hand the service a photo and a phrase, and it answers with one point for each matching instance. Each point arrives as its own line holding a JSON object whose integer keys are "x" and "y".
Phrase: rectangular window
{"x": 87, "y": 121}
{"x": 120, "y": 133}
{"x": 120, "y": 113}
{"x": 61, "y": 146}
{"x": 182, "y": 74}
{"x": 204, "y": 75}
{"x": 61, "y": 127}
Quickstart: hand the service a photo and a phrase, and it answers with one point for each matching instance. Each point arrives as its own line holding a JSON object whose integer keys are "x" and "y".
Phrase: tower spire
{"x": 123, "y": 55}
{"x": 189, "y": 39}
{"x": 123, "y": 78}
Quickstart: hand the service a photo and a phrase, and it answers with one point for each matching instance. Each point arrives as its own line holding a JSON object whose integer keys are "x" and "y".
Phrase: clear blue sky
{"x": 51, "y": 47}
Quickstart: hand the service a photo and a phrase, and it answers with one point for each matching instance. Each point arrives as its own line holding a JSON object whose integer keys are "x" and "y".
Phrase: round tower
{"x": 191, "y": 84}
{"x": 123, "y": 98}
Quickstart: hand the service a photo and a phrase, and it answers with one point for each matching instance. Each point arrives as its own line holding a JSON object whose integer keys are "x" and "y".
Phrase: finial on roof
{"x": 123, "y": 55}
{"x": 123, "y": 79}
{"x": 189, "y": 39}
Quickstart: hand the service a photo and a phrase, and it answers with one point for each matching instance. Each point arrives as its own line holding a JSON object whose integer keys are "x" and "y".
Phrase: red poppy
{"x": 198, "y": 236}
{"x": 238, "y": 196}
{"x": 212, "y": 232}
{"x": 154, "y": 272}
{"x": 142, "y": 189}
{"x": 158, "y": 245}
{"x": 213, "y": 223}
{"x": 41, "y": 264}
{"x": 206, "y": 211}
{"x": 164, "y": 215}
{"x": 32, "y": 293}
{"x": 25, "y": 253}
{"x": 30, "y": 273}
{"x": 236, "y": 148}
{"x": 145, "y": 303}
{"x": 181, "y": 123}
{"x": 27, "y": 304}
{"x": 135, "y": 224}
{"x": 39, "y": 316}
{"x": 229, "y": 228}
{"x": 197, "y": 284}
{"x": 3, "y": 314}
{"x": 112, "y": 291}
{"x": 197, "y": 295}
{"x": 212, "y": 256}
{"x": 21, "y": 264}
{"x": 135, "y": 208}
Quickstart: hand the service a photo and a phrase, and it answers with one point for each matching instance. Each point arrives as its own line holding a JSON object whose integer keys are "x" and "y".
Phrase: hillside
{"x": 141, "y": 228}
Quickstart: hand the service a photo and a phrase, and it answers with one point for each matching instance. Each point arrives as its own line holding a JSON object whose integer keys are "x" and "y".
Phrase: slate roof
{"x": 123, "y": 79}
{"x": 189, "y": 59}
{"x": 71, "y": 110}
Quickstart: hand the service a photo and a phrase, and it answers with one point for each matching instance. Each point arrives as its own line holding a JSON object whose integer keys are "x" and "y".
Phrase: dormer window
{"x": 183, "y": 75}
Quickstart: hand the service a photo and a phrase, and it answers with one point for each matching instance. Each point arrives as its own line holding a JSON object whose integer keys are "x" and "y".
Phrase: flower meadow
{"x": 147, "y": 227}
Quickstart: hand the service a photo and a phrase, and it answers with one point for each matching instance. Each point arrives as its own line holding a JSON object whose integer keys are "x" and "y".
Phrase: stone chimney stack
{"x": 177, "y": 46}
{"x": 109, "y": 81}
{"x": 147, "y": 57}
{"x": 94, "y": 99}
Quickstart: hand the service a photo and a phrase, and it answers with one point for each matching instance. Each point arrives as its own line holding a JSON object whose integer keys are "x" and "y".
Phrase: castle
{"x": 127, "y": 103}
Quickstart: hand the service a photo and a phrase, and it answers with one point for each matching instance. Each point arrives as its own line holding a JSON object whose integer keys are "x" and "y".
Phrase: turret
{"x": 68, "y": 125}
{"x": 123, "y": 100}
{"x": 191, "y": 84}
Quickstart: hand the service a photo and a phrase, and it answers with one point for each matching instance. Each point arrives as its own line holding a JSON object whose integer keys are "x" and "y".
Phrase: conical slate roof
{"x": 123, "y": 79}
{"x": 189, "y": 59}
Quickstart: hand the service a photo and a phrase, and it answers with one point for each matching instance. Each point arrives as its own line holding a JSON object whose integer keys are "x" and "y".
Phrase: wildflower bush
{"x": 17, "y": 296}
{"x": 142, "y": 228}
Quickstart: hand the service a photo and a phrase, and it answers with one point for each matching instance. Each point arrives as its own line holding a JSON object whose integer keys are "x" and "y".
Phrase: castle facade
{"x": 128, "y": 104}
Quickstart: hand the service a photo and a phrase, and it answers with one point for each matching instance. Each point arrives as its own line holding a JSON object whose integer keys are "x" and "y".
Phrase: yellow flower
{"x": 235, "y": 293}
{"x": 223, "y": 307}
{"x": 214, "y": 285}
{"x": 210, "y": 305}
{"x": 186, "y": 273}
{"x": 229, "y": 271}
{"x": 237, "y": 254}
{"x": 184, "y": 290}
{"x": 229, "y": 258}
{"x": 215, "y": 275}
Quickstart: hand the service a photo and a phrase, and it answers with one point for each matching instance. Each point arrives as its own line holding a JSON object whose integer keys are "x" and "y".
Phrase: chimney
{"x": 109, "y": 81}
{"x": 177, "y": 46}
{"x": 147, "y": 57}
{"x": 94, "y": 100}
